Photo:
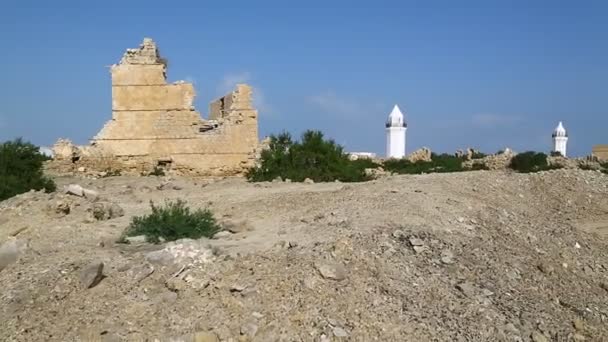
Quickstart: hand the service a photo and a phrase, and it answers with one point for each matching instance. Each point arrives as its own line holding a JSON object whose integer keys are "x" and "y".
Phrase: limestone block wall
{"x": 155, "y": 123}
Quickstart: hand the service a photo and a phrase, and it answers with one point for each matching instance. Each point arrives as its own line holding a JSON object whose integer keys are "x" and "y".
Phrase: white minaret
{"x": 560, "y": 139}
{"x": 395, "y": 134}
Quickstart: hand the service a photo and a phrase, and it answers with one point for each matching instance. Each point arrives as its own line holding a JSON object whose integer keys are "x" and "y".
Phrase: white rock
{"x": 136, "y": 239}
{"x": 222, "y": 235}
{"x": 339, "y": 332}
{"x": 334, "y": 271}
{"x": 74, "y": 189}
{"x": 185, "y": 252}
{"x": 10, "y": 252}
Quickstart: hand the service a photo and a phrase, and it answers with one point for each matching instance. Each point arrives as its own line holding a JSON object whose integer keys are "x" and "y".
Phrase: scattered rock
{"x": 447, "y": 257}
{"x": 103, "y": 211}
{"x": 77, "y": 190}
{"x": 466, "y": 288}
{"x": 176, "y": 284}
{"x": 249, "y": 329}
{"x": 10, "y": 252}
{"x": 308, "y": 181}
{"x": 224, "y": 234}
{"x": 205, "y": 336}
{"x": 416, "y": 242}
{"x": 339, "y": 332}
{"x": 398, "y": 234}
{"x": 185, "y": 252}
{"x": 546, "y": 268}
{"x": 236, "y": 227}
{"x": 333, "y": 271}
{"x": 419, "y": 249}
{"x": 578, "y": 324}
{"x": 538, "y": 337}
{"x": 18, "y": 231}
{"x": 238, "y": 288}
{"x": 139, "y": 273}
{"x": 90, "y": 194}
{"x": 579, "y": 337}
{"x": 167, "y": 297}
{"x": 136, "y": 239}
{"x": 62, "y": 208}
{"x": 91, "y": 274}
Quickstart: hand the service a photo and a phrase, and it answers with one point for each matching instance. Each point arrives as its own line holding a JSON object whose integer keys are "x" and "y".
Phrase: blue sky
{"x": 486, "y": 74}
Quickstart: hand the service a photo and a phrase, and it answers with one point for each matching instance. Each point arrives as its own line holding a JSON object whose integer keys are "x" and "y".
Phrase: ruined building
{"x": 154, "y": 124}
{"x": 600, "y": 152}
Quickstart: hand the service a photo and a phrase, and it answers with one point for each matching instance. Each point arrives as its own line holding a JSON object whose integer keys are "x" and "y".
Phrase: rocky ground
{"x": 474, "y": 256}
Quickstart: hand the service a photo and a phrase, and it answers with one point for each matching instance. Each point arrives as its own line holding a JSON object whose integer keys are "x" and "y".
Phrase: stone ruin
{"x": 155, "y": 125}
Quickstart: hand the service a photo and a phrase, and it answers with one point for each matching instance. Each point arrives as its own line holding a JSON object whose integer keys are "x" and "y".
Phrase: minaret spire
{"x": 560, "y": 139}
{"x": 395, "y": 134}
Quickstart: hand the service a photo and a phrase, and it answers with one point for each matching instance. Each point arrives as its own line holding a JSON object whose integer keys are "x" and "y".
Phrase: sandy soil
{"x": 475, "y": 256}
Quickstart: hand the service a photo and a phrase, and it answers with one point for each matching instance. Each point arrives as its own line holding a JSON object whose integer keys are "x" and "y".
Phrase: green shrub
{"x": 556, "y": 154}
{"x": 439, "y": 163}
{"x": 313, "y": 157}
{"x": 21, "y": 169}
{"x": 171, "y": 222}
{"x": 366, "y": 163}
{"x": 604, "y": 166}
{"x": 531, "y": 162}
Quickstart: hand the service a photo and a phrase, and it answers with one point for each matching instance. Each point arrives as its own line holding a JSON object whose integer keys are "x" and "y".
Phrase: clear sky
{"x": 485, "y": 74}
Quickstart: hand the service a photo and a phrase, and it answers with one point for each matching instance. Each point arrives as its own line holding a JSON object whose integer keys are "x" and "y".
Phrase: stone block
{"x": 138, "y": 74}
{"x": 154, "y": 97}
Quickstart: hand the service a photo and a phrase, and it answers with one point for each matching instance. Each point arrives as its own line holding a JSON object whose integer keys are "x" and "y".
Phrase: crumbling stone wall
{"x": 155, "y": 123}
{"x": 600, "y": 152}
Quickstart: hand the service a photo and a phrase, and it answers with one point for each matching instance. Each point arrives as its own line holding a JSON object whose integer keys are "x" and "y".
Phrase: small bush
{"x": 158, "y": 172}
{"x": 531, "y": 162}
{"x": 556, "y": 154}
{"x": 365, "y": 163}
{"x": 21, "y": 169}
{"x": 171, "y": 222}
{"x": 314, "y": 157}
{"x": 604, "y": 166}
{"x": 439, "y": 163}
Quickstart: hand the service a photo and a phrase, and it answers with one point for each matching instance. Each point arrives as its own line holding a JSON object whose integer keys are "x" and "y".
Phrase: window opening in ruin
{"x": 164, "y": 164}
{"x": 75, "y": 159}
{"x": 208, "y": 127}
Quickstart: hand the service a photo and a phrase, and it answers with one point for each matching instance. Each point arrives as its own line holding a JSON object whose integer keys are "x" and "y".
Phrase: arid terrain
{"x": 472, "y": 256}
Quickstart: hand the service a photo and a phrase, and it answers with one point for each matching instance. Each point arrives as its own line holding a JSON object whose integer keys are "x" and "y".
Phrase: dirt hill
{"x": 474, "y": 256}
